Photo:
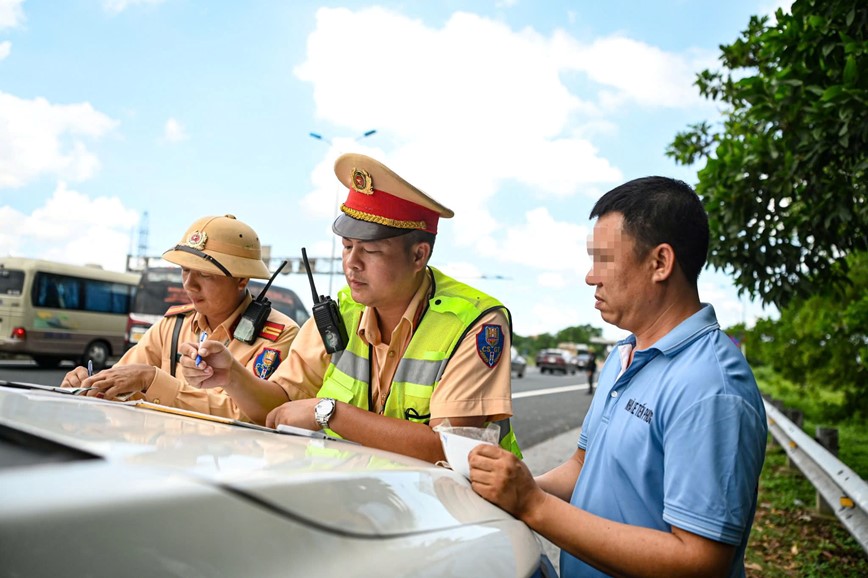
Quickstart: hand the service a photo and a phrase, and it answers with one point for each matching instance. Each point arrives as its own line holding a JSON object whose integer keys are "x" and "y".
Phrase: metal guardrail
{"x": 841, "y": 487}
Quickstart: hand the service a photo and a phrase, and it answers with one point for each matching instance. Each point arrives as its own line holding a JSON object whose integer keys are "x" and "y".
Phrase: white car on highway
{"x": 90, "y": 487}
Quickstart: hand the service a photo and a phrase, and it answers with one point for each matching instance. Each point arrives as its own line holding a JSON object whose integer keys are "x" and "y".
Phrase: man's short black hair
{"x": 661, "y": 210}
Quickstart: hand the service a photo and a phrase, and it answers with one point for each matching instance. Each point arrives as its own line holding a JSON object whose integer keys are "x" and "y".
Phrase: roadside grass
{"x": 789, "y": 537}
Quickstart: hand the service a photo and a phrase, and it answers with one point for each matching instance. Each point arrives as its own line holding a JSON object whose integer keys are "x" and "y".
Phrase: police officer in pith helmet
{"x": 421, "y": 347}
{"x": 218, "y": 255}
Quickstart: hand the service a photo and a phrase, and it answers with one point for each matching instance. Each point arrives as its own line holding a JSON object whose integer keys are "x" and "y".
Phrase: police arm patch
{"x": 489, "y": 344}
{"x": 266, "y": 362}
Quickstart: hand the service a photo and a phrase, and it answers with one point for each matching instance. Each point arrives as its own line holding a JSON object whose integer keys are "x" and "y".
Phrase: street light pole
{"x": 318, "y": 136}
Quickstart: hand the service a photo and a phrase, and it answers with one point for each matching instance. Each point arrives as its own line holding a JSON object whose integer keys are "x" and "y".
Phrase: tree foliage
{"x": 821, "y": 342}
{"x": 530, "y": 346}
{"x": 784, "y": 181}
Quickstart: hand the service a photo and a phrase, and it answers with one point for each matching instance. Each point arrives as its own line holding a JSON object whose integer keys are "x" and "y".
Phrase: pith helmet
{"x": 220, "y": 245}
{"x": 381, "y": 204}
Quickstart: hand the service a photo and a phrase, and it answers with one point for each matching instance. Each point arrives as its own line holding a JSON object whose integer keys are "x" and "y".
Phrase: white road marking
{"x": 548, "y": 391}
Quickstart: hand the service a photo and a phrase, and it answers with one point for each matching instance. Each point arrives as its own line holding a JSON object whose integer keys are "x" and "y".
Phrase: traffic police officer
{"x": 218, "y": 256}
{"x": 422, "y": 347}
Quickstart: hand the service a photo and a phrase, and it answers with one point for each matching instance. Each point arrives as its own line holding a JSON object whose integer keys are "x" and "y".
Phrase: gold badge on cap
{"x": 362, "y": 181}
{"x": 197, "y": 240}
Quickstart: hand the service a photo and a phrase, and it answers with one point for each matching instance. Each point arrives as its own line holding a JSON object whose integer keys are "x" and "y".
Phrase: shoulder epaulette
{"x": 179, "y": 309}
{"x": 271, "y": 331}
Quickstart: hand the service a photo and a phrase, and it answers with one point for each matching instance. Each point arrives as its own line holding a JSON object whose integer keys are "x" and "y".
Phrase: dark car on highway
{"x": 556, "y": 360}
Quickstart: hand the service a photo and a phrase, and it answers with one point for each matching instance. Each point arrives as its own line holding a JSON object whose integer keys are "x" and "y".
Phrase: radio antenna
{"x": 316, "y": 298}
{"x": 262, "y": 293}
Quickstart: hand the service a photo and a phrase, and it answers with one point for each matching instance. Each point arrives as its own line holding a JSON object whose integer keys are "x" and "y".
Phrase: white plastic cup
{"x": 456, "y": 448}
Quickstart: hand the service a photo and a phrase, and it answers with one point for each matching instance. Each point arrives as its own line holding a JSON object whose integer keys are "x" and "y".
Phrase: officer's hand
{"x": 503, "y": 479}
{"x": 75, "y": 377}
{"x": 298, "y": 413}
{"x": 120, "y": 380}
{"x": 214, "y": 365}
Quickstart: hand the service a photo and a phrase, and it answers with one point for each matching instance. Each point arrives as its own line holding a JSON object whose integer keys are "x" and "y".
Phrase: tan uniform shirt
{"x": 261, "y": 357}
{"x": 468, "y": 388}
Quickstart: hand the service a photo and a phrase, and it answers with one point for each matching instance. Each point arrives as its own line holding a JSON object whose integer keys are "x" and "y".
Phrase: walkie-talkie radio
{"x": 326, "y": 315}
{"x": 254, "y": 318}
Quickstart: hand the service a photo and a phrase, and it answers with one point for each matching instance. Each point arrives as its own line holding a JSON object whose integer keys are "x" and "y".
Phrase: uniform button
{"x": 614, "y": 394}
{"x": 157, "y": 400}
{"x": 391, "y": 353}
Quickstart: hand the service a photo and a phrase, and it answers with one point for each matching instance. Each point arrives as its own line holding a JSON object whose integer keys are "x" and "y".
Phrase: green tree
{"x": 578, "y": 334}
{"x": 821, "y": 342}
{"x": 784, "y": 180}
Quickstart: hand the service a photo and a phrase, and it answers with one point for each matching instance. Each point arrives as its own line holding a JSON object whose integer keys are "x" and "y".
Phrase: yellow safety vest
{"x": 452, "y": 309}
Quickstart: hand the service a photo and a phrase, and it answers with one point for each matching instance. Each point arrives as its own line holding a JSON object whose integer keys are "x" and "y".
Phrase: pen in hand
{"x": 202, "y": 337}
{"x": 89, "y": 367}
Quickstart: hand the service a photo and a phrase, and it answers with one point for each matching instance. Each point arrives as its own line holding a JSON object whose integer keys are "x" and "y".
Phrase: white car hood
{"x": 336, "y": 486}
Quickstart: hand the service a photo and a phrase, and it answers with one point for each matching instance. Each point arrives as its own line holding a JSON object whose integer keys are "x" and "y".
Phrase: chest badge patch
{"x": 489, "y": 344}
{"x": 266, "y": 362}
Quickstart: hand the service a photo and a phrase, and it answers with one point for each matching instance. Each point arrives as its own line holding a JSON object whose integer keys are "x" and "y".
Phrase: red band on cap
{"x": 385, "y": 209}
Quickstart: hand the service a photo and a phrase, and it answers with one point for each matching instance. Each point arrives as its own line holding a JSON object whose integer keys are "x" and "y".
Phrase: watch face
{"x": 324, "y": 410}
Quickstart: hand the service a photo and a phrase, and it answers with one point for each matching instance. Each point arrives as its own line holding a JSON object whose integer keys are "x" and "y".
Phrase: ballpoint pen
{"x": 202, "y": 337}
{"x": 80, "y": 390}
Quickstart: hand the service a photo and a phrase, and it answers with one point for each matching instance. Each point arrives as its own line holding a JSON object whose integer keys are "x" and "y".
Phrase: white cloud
{"x": 329, "y": 193}
{"x": 39, "y": 138}
{"x": 476, "y": 107}
{"x": 565, "y": 242}
{"x": 5, "y": 49}
{"x": 174, "y": 131}
{"x": 118, "y": 6}
{"x": 72, "y": 228}
{"x": 11, "y": 14}
{"x": 629, "y": 70}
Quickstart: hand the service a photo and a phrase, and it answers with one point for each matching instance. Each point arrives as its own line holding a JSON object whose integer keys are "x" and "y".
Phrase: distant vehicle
{"x": 556, "y": 360}
{"x": 583, "y": 360}
{"x": 172, "y": 495}
{"x": 518, "y": 363}
{"x": 161, "y": 288}
{"x": 54, "y": 311}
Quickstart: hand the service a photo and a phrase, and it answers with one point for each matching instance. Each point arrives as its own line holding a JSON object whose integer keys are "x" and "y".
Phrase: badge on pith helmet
{"x": 222, "y": 246}
{"x": 381, "y": 204}
{"x": 197, "y": 240}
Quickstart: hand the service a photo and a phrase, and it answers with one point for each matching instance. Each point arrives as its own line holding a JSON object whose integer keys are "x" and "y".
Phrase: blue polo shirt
{"x": 676, "y": 439}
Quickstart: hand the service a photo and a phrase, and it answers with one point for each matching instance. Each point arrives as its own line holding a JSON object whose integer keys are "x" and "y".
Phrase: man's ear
{"x": 421, "y": 254}
{"x": 242, "y": 283}
{"x": 663, "y": 262}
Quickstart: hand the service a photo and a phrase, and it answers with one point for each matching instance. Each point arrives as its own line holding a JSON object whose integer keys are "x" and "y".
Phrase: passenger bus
{"x": 54, "y": 311}
{"x": 161, "y": 288}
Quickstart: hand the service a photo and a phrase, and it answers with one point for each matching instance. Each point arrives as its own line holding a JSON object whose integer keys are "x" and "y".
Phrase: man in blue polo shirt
{"x": 664, "y": 479}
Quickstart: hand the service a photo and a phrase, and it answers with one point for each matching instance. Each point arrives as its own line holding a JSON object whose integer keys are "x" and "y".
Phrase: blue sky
{"x": 517, "y": 115}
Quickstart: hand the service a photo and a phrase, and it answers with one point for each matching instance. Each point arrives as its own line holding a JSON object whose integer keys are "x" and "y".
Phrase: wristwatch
{"x": 324, "y": 410}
